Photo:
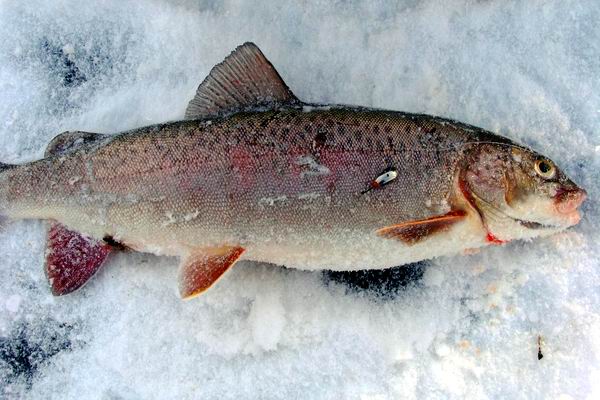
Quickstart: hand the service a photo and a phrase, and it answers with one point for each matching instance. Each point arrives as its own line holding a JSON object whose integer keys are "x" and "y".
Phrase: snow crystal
{"x": 12, "y": 303}
{"x": 267, "y": 320}
{"x": 468, "y": 329}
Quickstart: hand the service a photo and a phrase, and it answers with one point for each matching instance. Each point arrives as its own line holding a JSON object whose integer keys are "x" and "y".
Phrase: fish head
{"x": 519, "y": 193}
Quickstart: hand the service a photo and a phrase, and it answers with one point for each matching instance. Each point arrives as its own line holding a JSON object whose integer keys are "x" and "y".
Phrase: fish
{"x": 253, "y": 173}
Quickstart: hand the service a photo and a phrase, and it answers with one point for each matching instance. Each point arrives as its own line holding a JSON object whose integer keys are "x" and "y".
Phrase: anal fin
{"x": 201, "y": 269}
{"x": 71, "y": 259}
{"x": 412, "y": 232}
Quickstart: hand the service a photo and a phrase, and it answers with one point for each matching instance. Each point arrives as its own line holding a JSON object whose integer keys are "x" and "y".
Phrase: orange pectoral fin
{"x": 414, "y": 231}
{"x": 201, "y": 269}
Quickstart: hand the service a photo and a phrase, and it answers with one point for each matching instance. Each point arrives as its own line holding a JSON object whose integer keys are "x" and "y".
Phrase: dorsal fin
{"x": 244, "y": 80}
{"x": 66, "y": 142}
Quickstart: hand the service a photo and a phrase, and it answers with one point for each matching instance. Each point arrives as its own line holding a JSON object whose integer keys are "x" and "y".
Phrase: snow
{"x": 469, "y": 327}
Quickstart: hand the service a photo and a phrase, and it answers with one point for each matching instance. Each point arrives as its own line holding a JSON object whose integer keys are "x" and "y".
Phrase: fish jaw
{"x": 529, "y": 217}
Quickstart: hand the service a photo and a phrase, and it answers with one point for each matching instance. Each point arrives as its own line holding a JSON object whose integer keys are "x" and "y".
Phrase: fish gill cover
{"x": 453, "y": 328}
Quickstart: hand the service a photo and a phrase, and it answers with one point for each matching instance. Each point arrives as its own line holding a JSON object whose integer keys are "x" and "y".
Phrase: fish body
{"x": 261, "y": 176}
{"x": 287, "y": 185}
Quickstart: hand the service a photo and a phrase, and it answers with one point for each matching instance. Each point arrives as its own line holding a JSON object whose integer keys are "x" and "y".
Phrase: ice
{"x": 469, "y": 328}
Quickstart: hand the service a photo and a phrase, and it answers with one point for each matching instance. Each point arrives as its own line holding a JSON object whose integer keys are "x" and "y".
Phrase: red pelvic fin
{"x": 71, "y": 259}
{"x": 414, "y": 231}
{"x": 202, "y": 269}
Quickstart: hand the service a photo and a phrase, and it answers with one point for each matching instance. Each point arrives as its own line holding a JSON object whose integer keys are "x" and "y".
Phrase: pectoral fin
{"x": 414, "y": 231}
{"x": 201, "y": 269}
{"x": 71, "y": 259}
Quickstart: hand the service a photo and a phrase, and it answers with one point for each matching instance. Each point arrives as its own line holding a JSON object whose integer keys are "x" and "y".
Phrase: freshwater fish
{"x": 253, "y": 173}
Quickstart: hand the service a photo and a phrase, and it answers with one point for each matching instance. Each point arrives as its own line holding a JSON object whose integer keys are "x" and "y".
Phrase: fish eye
{"x": 545, "y": 168}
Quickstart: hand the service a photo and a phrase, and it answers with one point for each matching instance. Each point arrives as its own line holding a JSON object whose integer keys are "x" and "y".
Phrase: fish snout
{"x": 568, "y": 201}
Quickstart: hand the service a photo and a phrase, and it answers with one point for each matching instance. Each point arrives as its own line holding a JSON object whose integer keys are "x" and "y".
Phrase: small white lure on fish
{"x": 382, "y": 180}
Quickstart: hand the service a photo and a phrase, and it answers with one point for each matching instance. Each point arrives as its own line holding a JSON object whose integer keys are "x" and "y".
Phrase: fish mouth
{"x": 477, "y": 201}
{"x": 566, "y": 204}
{"x": 567, "y": 201}
{"x": 523, "y": 222}
{"x": 568, "y": 218}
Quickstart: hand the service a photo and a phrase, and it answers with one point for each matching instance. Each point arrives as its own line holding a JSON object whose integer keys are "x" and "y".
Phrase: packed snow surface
{"x": 517, "y": 321}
